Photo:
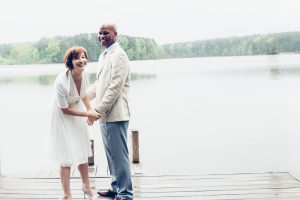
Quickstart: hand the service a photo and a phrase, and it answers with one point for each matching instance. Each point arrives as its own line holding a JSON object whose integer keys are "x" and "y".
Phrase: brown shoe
{"x": 107, "y": 193}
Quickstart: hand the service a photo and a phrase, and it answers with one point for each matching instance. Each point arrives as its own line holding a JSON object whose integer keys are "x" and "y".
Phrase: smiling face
{"x": 76, "y": 57}
{"x": 79, "y": 62}
{"x": 107, "y": 35}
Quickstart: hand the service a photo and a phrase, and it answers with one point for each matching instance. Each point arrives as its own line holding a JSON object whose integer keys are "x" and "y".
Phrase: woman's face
{"x": 80, "y": 62}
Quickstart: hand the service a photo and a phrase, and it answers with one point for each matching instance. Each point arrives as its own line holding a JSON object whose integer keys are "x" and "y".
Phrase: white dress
{"x": 68, "y": 141}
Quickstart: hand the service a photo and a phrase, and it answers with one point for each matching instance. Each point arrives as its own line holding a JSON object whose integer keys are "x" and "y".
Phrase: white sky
{"x": 164, "y": 20}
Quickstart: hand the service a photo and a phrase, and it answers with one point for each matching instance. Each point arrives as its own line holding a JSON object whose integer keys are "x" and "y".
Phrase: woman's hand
{"x": 92, "y": 116}
{"x": 90, "y": 121}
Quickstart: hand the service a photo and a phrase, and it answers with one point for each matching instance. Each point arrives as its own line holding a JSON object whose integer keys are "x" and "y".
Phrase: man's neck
{"x": 110, "y": 45}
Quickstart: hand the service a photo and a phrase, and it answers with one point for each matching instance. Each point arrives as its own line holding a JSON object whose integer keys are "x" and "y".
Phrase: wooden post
{"x": 0, "y": 165}
{"x": 135, "y": 146}
{"x": 91, "y": 159}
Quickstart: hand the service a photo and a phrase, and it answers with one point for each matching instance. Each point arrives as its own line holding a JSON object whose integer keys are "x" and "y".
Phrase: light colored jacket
{"x": 112, "y": 85}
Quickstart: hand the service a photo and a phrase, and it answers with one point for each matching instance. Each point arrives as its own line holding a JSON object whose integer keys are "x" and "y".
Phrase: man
{"x": 111, "y": 91}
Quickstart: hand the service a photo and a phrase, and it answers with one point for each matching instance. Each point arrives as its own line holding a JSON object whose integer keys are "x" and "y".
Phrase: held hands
{"x": 92, "y": 116}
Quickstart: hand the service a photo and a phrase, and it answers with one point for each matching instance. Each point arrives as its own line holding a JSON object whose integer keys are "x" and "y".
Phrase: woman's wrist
{"x": 87, "y": 114}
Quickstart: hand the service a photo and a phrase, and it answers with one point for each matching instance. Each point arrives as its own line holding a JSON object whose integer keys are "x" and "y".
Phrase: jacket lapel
{"x": 104, "y": 58}
{"x": 102, "y": 62}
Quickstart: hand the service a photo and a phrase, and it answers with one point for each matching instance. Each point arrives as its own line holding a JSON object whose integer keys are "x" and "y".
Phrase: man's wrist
{"x": 101, "y": 113}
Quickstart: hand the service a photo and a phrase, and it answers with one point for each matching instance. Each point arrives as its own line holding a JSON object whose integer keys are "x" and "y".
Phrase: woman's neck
{"x": 76, "y": 75}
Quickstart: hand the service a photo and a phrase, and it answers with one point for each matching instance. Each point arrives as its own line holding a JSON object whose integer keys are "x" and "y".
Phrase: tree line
{"x": 236, "y": 46}
{"x": 51, "y": 50}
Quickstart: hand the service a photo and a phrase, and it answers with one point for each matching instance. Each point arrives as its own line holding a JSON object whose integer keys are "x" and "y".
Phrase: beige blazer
{"x": 112, "y": 85}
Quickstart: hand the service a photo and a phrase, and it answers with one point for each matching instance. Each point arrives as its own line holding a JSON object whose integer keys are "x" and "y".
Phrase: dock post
{"x": 135, "y": 146}
{"x": 91, "y": 159}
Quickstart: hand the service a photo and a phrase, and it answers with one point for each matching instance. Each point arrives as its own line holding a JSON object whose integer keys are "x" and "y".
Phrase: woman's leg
{"x": 84, "y": 173}
{"x": 65, "y": 181}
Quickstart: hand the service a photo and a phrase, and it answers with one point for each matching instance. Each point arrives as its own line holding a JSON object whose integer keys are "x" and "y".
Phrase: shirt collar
{"x": 111, "y": 47}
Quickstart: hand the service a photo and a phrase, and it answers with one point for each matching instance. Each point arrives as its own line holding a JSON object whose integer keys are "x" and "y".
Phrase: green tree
{"x": 53, "y": 51}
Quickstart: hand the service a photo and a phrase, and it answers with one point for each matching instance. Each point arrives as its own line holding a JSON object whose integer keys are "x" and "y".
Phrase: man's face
{"x": 107, "y": 36}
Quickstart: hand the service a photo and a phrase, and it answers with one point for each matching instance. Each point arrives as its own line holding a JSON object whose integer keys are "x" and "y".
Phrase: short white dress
{"x": 68, "y": 142}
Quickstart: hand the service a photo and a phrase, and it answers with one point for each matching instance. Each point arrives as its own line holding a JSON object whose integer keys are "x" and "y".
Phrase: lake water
{"x": 194, "y": 115}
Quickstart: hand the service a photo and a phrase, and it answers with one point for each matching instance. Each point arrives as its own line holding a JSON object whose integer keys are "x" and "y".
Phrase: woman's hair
{"x": 73, "y": 53}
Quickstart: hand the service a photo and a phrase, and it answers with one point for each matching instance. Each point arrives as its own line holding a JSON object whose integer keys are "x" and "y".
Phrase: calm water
{"x": 195, "y": 116}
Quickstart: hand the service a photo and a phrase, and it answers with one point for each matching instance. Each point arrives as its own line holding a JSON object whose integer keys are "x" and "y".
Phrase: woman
{"x": 69, "y": 143}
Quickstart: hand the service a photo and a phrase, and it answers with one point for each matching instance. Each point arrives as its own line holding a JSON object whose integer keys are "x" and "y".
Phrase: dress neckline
{"x": 71, "y": 76}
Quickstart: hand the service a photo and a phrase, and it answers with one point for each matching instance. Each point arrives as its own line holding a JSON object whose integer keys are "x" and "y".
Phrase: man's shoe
{"x": 107, "y": 193}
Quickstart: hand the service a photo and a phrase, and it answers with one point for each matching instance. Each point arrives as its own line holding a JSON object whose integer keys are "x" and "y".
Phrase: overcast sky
{"x": 164, "y": 20}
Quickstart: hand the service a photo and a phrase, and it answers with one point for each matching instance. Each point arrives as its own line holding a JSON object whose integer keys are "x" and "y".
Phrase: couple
{"x": 69, "y": 143}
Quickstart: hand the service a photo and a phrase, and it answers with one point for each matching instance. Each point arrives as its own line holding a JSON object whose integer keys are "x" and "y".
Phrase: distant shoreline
{"x": 51, "y": 50}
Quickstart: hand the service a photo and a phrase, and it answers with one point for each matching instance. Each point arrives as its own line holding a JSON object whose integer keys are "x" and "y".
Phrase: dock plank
{"x": 269, "y": 186}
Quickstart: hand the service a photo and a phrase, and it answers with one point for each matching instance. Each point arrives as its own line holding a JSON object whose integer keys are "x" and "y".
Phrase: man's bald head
{"x": 111, "y": 27}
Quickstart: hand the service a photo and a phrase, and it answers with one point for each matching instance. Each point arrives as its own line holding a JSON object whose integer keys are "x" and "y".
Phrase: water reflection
{"x": 277, "y": 71}
{"x": 49, "y": 79}
{"x": 138, "y": 76}
{"x": 274, "y": 72}
{"x": 28, "y": 80}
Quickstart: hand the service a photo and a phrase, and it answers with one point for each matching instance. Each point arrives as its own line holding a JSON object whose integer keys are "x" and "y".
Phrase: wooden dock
{"x": 243, "y": 186}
